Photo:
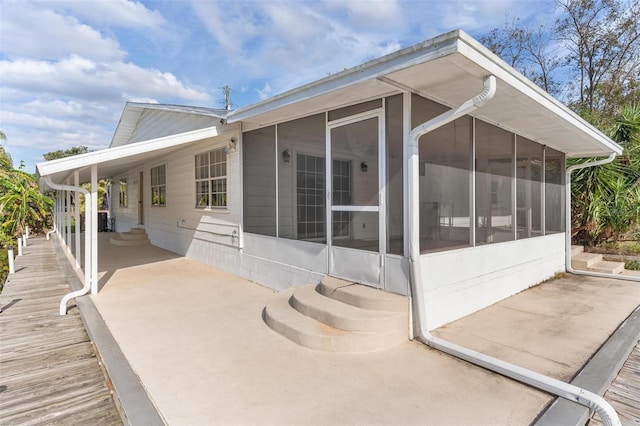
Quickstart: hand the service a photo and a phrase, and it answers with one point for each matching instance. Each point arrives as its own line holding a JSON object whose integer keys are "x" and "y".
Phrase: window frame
{"x": 209, "y": 179}
{"x": 159, "y": 187}
{"x": 123, "y": 192}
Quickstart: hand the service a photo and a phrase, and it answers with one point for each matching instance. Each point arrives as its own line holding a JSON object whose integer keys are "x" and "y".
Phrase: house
{"x": 438, "y": 163}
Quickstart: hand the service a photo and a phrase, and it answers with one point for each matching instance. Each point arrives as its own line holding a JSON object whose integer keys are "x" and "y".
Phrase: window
{"x": 159, "y": 186}
{"x": 310, "y": 197}
{"x": 122, "y": 191}
{"x": 211, "y": 179}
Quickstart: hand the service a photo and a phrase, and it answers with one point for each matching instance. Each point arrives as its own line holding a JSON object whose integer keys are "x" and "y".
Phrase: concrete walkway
{"x": 195, "y": 337}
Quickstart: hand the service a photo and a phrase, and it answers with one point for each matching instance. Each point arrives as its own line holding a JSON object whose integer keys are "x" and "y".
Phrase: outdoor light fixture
{"x": 286, "y": 155}
{"x": 364, "y": 167}
{"x": 231, "y": 146}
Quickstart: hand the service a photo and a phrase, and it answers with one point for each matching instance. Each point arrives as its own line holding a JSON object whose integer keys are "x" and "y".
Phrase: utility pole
{"x": 227, "y": 99}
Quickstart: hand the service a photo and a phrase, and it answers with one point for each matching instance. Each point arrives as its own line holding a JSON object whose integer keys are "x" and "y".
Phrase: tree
{"x": 603, "y": 41}
{"x": 527, "y": 49}
{"x": 21, "y": 202}
{"x": 54, "y": 155}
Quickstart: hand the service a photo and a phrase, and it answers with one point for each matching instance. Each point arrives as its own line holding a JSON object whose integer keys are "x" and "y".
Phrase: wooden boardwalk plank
{"x": 624, "y": 392}
{"x": 49, "y": 373}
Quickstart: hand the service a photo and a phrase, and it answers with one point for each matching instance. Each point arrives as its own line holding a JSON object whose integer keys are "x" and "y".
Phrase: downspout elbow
{"x": 487, "y": 93}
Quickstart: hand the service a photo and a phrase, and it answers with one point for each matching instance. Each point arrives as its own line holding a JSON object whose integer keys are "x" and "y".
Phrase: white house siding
{"x": 459, "y": 282}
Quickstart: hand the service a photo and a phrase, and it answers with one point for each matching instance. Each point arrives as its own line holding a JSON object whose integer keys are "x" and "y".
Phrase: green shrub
{"x": 632, "y": 265}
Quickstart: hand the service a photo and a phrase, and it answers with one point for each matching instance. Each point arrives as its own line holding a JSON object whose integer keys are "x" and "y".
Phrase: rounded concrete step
{"x": 281, "y": 317}
{"x": 363, "y": 296}
{"x": 334, "y": 313}
{"x": 116, "y": 240}
{"x": 138, "y": 231}
{"x": 133, "y": 235}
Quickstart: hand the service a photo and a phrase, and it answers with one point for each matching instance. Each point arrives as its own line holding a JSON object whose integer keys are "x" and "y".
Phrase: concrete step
{"x": 631, "y": 272}
{"x": 584, "y": 261}
{"x": 133, "y": 235}
{"x": 282, "y": 317}
{"x": 117, "y": 240}
{"x": 607, "y": 267}
{"x": 362, "y": 296}
{"x": 308, "y": 301}
{"x": 576, "y": 250}
{"x": 138, "y": 231}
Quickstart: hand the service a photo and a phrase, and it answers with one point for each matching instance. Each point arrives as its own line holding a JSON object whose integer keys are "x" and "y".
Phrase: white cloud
{"x": 265, "y": 92}
{"x": 79, "y": 78}
{"x": 122, "y": 13}
{"x": 29, "y": 31}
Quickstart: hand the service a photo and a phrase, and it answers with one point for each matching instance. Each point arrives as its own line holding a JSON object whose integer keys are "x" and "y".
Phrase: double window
{"x": 159, "y": 185}
{"x": 211, "y": 179}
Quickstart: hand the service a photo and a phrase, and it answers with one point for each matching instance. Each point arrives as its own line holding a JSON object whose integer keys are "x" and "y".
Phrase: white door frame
{"x": 358, "y": 258}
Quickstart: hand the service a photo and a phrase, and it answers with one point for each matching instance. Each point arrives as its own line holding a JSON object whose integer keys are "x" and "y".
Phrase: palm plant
{"x": 22, "y": 203}
{"x": 606, "y": 199}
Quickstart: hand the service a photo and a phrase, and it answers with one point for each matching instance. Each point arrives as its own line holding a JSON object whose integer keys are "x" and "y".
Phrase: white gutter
{"x": 87, "y": 242}
{"x": 548, "y": 384}
{"x": 568, "y": 224}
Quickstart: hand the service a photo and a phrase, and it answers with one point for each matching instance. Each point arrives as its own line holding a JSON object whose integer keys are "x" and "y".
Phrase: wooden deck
{"x": 49, "y": 373}
{"x": 624, "y": 392}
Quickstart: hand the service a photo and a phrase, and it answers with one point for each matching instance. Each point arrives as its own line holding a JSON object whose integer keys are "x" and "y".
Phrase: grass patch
{"x": 632, "y": 265}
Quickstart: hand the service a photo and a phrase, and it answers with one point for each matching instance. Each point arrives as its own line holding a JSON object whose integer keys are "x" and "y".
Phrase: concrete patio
{"x": 195, "y": 337}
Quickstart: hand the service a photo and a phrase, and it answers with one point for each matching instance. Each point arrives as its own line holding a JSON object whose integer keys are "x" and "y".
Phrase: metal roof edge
{"x": 85, "y": 160}
{"x": 441, "y": 45}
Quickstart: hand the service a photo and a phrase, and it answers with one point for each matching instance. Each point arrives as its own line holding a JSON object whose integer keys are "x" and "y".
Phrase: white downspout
{"x": 540, "y": 381}
{"x": 87, "y": 243}
{"x": 567, "y": 248}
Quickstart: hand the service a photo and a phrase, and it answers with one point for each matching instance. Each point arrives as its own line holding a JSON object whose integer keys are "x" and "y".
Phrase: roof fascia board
{"x": 443, "y": 45}
{"x": 477, "y": 53}
{"x": 84, "y": 160}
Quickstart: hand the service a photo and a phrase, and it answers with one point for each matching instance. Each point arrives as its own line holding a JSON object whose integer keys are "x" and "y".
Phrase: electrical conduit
{"x": 568, "y": 222}
{"x": 87, "y": 242}
{"x": 537, "y": 380}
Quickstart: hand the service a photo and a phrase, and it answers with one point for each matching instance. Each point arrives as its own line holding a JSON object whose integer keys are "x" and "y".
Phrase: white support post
{"x": 67, "y": 219}
{"x": 76, "y": 211}
{"x": 24, "y": 240}
{"x": 94, "y": 229}
{"x": 62, "y": 218}
{"x": 12, "y": 267}
{"x": 19, "y": 246}
{"x": 26, "y": 231}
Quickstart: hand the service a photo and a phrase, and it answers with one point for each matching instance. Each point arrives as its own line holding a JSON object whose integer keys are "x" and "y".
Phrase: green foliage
{"x": 606, "y": 199}
{"x": 22, "y": 203}
{"x": 632, "y": 265}
{"x": 54, "y": 155}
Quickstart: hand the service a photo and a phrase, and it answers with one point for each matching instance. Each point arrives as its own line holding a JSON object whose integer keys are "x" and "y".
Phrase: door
{"x": 141, "y": 199}
{"x": 354, "y": 182}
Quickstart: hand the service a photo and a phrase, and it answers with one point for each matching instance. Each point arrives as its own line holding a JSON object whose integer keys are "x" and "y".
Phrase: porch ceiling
{"x": 449, "y": 69}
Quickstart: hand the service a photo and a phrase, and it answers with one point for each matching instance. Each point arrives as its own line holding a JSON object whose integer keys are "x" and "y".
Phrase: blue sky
{"x": 68, "y": 67}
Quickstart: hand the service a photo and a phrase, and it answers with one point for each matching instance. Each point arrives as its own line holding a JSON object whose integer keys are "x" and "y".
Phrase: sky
{"x": 67, "y": 68}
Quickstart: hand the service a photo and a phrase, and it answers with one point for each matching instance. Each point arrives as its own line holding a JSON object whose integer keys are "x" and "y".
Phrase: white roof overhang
{"x": 449, "y": 69}
{"x": 117, "y": 160}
